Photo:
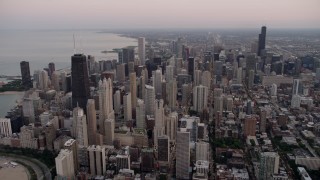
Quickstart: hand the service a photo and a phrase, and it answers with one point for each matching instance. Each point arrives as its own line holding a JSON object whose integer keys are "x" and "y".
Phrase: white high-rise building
{"x": 200, "y": 98}
{"x": 182, "y": 155}
{"x": 123, "y": 161}
{"x": 159, "y": 120}
{"x": 105, "y": 102}
{"x": 142, "y": 50}
{"x": 5, "y": 127}
{"x": 273, "y": 90}
{"x": 295, "y": 87}
{"x": 140, "y": 114}
{"x": 269, "y": 165}
{"x": 169, "y": 73}
{"x": 202, "y": 151}
{"x": 127, "y": 109}
{"x": 159, "y": 113}
{"x": 149, "y": 100}
{"x": 97, "y": 160}
{"x": 43, "y": 80}
{"x": 64, "y": 164}
{"x": 79, "y": 127}
{"x": 55, "y": 80}
{"x": 171, "y": 125}
{"x": 295, "y": 101}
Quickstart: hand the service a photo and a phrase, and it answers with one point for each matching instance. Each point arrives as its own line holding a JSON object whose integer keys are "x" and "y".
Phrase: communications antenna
{"x": 74, "y": 45}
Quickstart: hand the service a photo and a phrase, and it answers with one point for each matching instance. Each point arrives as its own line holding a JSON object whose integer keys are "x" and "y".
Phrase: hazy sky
{"x": 74, "y": 14}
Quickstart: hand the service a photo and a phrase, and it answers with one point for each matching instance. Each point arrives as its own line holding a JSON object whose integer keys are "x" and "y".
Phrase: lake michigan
{"x": 43, "y": 46}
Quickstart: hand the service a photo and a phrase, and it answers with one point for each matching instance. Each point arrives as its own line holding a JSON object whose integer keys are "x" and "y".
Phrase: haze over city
{"x": 88, "y": 14}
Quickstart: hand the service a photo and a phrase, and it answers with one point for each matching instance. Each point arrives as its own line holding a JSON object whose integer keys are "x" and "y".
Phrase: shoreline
{"x": 11, "y": 92}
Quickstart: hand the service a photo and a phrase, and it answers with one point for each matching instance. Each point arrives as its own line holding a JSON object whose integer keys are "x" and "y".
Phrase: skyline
{"x": 138, "y": 14}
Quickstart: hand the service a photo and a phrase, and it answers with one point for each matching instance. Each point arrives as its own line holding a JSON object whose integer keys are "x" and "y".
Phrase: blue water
{"x": 42, "y": 47}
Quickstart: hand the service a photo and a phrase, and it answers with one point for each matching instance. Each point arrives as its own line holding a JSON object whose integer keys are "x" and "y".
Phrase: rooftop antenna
{"x": 81, "y": 46}
{"x": 74, "y": 45}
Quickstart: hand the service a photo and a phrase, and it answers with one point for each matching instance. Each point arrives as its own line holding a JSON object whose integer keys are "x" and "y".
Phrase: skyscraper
{"x": 79, "y": 126}
{"x": 250, "y": 126}
{"x": 269, "y": 165}
{"x": 200, "y": 98}
{"x": 163, "y": 148}
{"x": 5, "y": 127}
{"x": 142, "y": 50}
{"x": 25, "y": 74}
{"x": 80, "y": 81}
{"x": 109, "y": 131}
{"x": 182, "y": 155}
{"x": 97, "y": 160}
{"x": 191, "y": 67}
{"x": 172, "y": 93}
{"x": 133, "y": 89}
{"x": 121, "y": 75}
{"x": 127, "y": 109}
{"x": 262, "y": 40}
{"x": 105, "y": 102}
{"x": 117, "y": 101}
{"x": 72, "y": 145}
{"x": 202, "y": 151}
{"x": 149, "y": 100}
{"x": 64, "y": 164}
{"x": 127, "y": 55}
{"x": 171, "y": 125}
{"x": 157, "y": 82}
{"x": 92, "y": 122}
{"x": 140, "y": 114}
{"x": 43, "y": 80}
{"x": 51, "y": 68}
{"x": 159, "y": 120}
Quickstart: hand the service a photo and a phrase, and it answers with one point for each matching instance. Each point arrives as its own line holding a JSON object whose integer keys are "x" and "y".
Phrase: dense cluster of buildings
{"x": 213, "y": 114}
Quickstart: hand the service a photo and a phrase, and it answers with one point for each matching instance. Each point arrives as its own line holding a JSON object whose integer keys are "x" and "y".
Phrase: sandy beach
{"x": 8, "y": 172}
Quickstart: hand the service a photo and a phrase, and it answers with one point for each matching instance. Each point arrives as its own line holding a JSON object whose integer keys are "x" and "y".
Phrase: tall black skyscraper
{"x": 262, "y": 40}
{"x": 191, "y": 67}
{"x": 80, "y": 81}
{"x": 51, "y": 68}
{"x": 25, "y": 74}
{"x": 127, "y": 55}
